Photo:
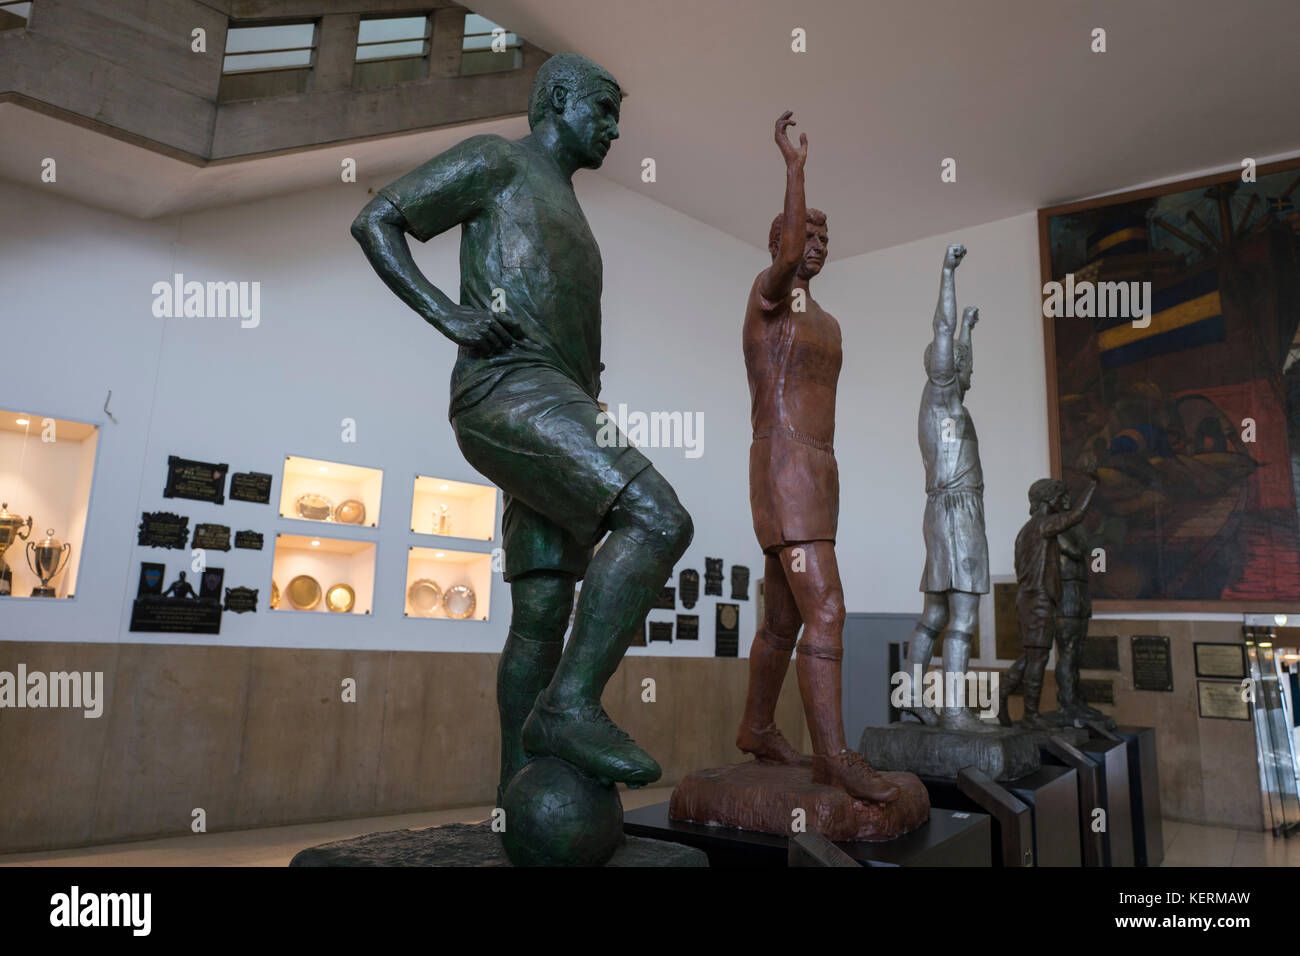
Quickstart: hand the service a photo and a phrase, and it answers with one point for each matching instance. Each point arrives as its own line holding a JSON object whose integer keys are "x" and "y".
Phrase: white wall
{"x": 333, "y": 343}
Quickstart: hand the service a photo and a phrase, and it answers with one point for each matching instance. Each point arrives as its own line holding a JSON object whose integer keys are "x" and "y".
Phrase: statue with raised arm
{"x": 1038, "y": 593}
{"x": 792, "y": 358}
{"x": 524, "y": 409}
{"x": 956, "y": 551}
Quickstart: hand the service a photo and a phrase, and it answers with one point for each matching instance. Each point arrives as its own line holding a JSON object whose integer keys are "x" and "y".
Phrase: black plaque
{"x": 667, "y": 600}
{"x": 1006, "y": 626}
{"x": 1099, "y": 654}
{"x": 726, "y": 631}
{"x": 1097, "y": 691}
{"x": 688, "y": 627}
{"x": 241, "y": 599}
{"x": 659, "y": 631}
{"x": 250, "y": 540}
{"x": 151, "y": 579}
{"x": 212, "y": 537}
{"x": 251, "y": 486}
{"x": 197, "y": 480}
{"x": 739, "y": 582}
{"x": 210, "y": 585}
{"x": 162, "y": 529}
{"x": 1152, "y": 667}
{"x": 170, "y": 615}
{"x": 688, "y": 583}
{"x": 713, "y": 576}
{"x": 1220, "y": 660}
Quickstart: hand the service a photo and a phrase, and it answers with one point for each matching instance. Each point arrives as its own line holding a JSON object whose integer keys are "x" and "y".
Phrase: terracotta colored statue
{"x": 793, "y": 357}
{"x": 1038, "y": 593}
{"x": 956, "y": 550}
{"x": 523, "y": 406}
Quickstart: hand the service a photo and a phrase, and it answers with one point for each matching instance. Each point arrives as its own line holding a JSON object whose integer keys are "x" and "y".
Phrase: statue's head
{"x": 816, "y": 239}
{"x": 1050, "y": 492}
{"x": 581, "y": 101}
{"x": 961, "y": 354}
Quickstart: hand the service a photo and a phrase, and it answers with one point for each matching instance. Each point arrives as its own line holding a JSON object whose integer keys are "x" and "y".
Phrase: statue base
{"x": 471, "y": 844}
{"x": 763, "y": 797}
{"x": 1003, "y": 754}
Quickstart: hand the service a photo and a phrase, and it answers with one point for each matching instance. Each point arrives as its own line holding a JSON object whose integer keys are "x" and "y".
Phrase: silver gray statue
{"x": 956, "y": 550}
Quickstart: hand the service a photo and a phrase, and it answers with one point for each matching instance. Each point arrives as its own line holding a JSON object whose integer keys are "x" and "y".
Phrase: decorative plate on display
{"x": 424, "y": 597}
{"x": 315, "y": 507}
{"x": 458, "y": 602}
{"x": 303, "y": 592}
{"x": 340, "y": 598}
{"x": 351, "y": 511}
{"x": 275, "y": 595}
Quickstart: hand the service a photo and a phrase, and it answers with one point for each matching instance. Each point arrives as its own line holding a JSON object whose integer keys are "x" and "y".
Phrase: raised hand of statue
{"x": 955, "y": 254}
{"x": 970, "y": 315}
{"x": 481, "y": 330}
{"x": 794, "y": 158}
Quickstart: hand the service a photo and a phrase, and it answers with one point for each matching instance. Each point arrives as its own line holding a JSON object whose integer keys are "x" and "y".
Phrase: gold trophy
{"x": 12, "y": 528}
{"x": 442, "y": 520}
{"x": 50, "y": 558}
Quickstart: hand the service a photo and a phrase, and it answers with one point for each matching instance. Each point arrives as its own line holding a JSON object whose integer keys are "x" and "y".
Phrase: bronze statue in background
{"x": 793, "y": 357}
{"x": 956, "y": 550}
{"x": 1038, "y": 593}
{"x": 1076, "y": 612}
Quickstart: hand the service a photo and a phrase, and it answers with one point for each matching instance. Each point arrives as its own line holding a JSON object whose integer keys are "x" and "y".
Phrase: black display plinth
{"x": 1050, "y": 793}
{"x": 1053, "y": 794}
{"x": 1144, "y": 792}
{"x": 1111, "y": 759}
{"x": 470, "y": 844}
{"x": 1058, "y": 752}
{"x": 948, "y": 838}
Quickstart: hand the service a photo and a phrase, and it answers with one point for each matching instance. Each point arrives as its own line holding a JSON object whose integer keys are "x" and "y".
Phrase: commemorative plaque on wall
{"x": 667, "y": 600}
{"x": 1099, "y": 654}
{"x": 726, "y": 631}
{"x": 739, "y": 582}
{"x": 1221, "y": 700}
{"x": 251, "y": 486}
{"x": 713, "y": 576}
{"x": 196, "y": 480}
{"x": 178, "y": 609}
{"x": 1152, "y": 667}
{"x": 688, "y": 627}
{"x": 249, "y": 540}
{"x": 1220, "y": 660}
{"x": 659, "y": 630}
{"x": 211, "y": 537}
{"x": 688, "y": 583}
{"x": 162, "y": 529}
{"x": 1006, "y": 627}
{"x": 241, "y": 599}
{"x": 1097, "y": 691}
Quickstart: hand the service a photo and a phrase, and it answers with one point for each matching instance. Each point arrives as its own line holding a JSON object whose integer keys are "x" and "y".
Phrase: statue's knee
{"x": 935, "y": 617}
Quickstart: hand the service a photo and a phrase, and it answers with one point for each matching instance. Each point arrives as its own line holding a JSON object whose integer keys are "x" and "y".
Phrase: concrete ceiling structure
{"x": 887, "y": 89}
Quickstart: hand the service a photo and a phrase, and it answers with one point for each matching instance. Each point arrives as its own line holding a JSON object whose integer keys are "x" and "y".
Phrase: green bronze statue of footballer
{"x": 523, "y": 406}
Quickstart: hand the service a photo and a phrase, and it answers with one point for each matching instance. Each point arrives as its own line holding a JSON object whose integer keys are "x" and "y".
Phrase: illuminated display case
{"x": 330, "y": 492}
{"x": 456, "y": 509}
{"x": 448, "y": 585}
{"x": 330, "y": 575}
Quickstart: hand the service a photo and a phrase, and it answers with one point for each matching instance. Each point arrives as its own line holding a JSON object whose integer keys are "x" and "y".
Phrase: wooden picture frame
{"x": 1171, "y": 548}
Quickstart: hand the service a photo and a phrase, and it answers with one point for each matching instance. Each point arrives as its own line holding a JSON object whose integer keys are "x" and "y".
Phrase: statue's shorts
{"x": 1036, "y": 615}
{"x": 1075, "y": 602}
{"x": 956, "y": 550}
{"x": 560, "y": 463}
{"x": 794, "y": 491}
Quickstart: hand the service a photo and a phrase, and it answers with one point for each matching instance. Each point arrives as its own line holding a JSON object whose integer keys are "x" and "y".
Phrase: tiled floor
{"x": 1186, "y": 844}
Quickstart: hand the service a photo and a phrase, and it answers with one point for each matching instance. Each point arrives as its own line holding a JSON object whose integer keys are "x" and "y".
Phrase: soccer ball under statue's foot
{"x": 556, "y": 815}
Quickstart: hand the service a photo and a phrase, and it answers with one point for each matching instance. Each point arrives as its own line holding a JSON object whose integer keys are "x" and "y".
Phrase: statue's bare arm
{"x": 778, "y": 279}
{"x": 943, "y": 364}
{"x": 453, "y": 188}
{"x": 1058, "y": 523}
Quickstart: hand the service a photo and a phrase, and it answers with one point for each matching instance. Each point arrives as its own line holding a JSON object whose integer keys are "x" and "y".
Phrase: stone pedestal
{"x": 471, "y": 844}
{"x": 1004, "y": 754}
{"x": 764, "y": 797}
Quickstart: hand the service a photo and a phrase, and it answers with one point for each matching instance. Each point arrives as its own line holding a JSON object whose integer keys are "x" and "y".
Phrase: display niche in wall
{"x": 457, "y": 509}
{"x": 451, "y": 585}
{"x": 330, "y": 491}
{"x": 330, "y": 575}
{"x": 46, "y": 468}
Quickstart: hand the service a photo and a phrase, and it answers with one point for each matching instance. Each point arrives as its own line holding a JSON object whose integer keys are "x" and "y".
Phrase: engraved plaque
{"x": 1221, "y": 700}
{"x": 254, "y": 486}
{"x": 249, "y": 540}
{"x": 726, "y": 630}
{"x": 1152, "y": 667}
{"x": 688, "y": 627}
{"x": 667, "y": 600}
{"x": 688, "y": 582}
{"x": 162, "y": 529}
{"x": 212, "y": 537}
{"x": 197, "y": 480}
{"x": 659, "y": 631}
{"x": 1006, "y": 627}
{"x": 1097, "y": 691}
{"x": 1220, "y": 660}
{"x": 1099, "y": 654}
